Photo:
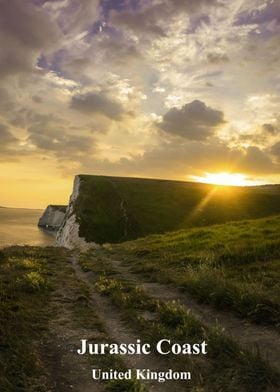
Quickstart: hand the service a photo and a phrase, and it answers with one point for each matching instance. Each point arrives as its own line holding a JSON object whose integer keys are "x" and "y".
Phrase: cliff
{"x": 105, "y": 209}
{"x": 68, "y": 234}
{"x": 115, "y": 209}
{"x": 52, "y": 217}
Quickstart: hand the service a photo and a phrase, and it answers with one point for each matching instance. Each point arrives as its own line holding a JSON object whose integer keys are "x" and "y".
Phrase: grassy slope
{"x": 24, "y": 298}
{"x": 233, "y": 266}
{"x": 112, "y": 209}
{"x": 39, "y": 292}
{"x": 227, "y": 366}
{"x": 35, "y": 287}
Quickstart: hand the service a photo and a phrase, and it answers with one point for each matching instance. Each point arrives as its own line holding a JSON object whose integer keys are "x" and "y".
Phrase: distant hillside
{"x": 114, "y": 209}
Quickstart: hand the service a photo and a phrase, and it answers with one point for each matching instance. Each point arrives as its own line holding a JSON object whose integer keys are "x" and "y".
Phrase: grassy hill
{"x": 48, "y": 300}
{"x": 226, "y": 270}
{"x": 233, "y": 266}
{"x": 114, "y": 209}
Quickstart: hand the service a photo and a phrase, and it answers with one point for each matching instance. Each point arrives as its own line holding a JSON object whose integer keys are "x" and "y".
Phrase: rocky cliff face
{"x": 104, "y": 209}
{"x": 68, "y": 233}
{"x": 52, "y": 217}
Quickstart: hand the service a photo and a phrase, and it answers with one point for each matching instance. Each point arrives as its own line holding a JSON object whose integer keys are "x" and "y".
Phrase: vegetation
{"x": 234, "y": 266}
{"x": 227, "y": 367}
{"x": 24, "y": 292}
{"x": 38, "y": 314}
{"x": 112, "y": 209}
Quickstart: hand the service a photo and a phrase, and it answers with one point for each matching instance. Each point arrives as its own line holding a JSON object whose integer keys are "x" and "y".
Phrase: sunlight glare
{"x": 229, "y": 179}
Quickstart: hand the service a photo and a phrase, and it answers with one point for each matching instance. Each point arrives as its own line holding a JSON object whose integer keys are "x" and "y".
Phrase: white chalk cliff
{"x": 68, "y": 233}
{"x": 52, "y": 218}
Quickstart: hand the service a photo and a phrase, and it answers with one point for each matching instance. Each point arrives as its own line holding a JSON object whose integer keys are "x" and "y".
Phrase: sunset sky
{"x": 179, "y": 89}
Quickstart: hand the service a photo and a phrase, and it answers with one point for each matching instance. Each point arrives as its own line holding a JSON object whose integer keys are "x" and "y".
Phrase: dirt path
{"x": 57, "y": 350}
{"x": 120, "y": 333}
{"x": 67, "y": 371}
{"x": 265, "y": 339}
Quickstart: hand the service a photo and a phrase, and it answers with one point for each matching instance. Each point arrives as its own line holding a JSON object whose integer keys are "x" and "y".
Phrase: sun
{"x": 226, "y": 179}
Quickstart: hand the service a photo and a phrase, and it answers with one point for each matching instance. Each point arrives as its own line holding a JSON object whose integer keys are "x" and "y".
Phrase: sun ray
{"x": 200, "y": 207}
{"x": 225, "y": 179}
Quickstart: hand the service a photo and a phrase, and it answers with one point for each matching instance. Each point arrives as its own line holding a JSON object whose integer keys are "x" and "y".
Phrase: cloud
{"x": 60, "y": 142}
{"x": 216, "y": 58}
{"x": 269, "y": 12}
{"x": 275, "y": 150}
{"x": 75, "y": 16}
{"x": 97, "y": 103}
{"x": 194, "y": 121}
{"x": 255, "y": 160}
{"x": 51, "y": 135}
{"x": 269, "y": 128}
{"x": 37, "y": 99}
{"x": 8, "y": 144}
{"x": 192, "y": 6}
{"x": 151, "y": 18}
{"x": 25, "y": 31}
{"x": 6, "y": 137}
{"x": 181, "y": 160}
{"x": 143, "y": 22}
{"x": 111, "y": 70}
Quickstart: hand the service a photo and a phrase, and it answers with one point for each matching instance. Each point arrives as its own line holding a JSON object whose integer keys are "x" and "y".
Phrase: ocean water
{"x": 18, "y": 226}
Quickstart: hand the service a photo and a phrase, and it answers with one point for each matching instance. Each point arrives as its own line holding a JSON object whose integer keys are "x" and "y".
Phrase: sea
{"x": 18, "y": 226}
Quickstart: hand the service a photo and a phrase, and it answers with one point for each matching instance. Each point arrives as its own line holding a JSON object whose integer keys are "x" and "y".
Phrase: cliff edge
{"x": 106, "y": 209}
{"x": 68, "y": 234}
{"x": 52, "y": 217}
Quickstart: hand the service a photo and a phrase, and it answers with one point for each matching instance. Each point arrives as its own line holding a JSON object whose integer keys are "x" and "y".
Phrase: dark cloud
{"x": 25, "y": 30}
{"x": 194, "y": 121}
{"x": 255, "y": 160}
{"x": 192, "y": 6}
{"x": 37, "y": 99}
{"x": 42, "y": 2}
{"x": 6, "y": 101}
{"x": 8, "y": 144}
{"x": 112, "y": 52}
{"x": 97, "y": 103}
{"x": 169, "y": 160}
{"x": 269, "y": 128}
{"x": 119, "y": 52}
{"x": 151, "y": 18}
{"x": 6, "y": 138}
{"x": 60, "y": 142}
{"x": 271, "y": 12}
{"x": 47, "y": 133}
{"x": 275, "y": 150}
{"x": 217, "y": 58}
{"x": 177, "y": 160}
{"x": 142, "y": 22}
{"x": 76, "y": 16}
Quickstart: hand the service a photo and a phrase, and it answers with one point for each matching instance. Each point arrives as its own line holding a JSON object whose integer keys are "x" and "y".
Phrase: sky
{"x": 176, "y": 89}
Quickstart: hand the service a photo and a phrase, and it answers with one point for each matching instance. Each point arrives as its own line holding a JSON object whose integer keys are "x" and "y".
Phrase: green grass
{"x": 24, "y": 293}
{"x": 38, "y": 288}
{"x": 226, "y": 367}
{"x": 112, "y": 209}
{"x": 234, "y": 266}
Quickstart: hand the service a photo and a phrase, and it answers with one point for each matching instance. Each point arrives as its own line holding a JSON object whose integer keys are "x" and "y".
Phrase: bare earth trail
{"x": 265, "y": 339}
{"x": 66, "y": 370}
{"x": 120, "y": 333}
